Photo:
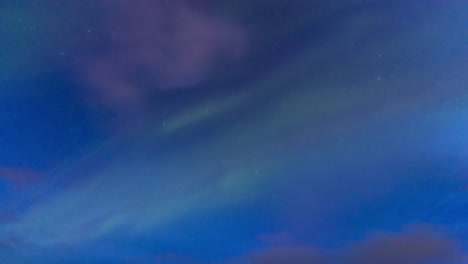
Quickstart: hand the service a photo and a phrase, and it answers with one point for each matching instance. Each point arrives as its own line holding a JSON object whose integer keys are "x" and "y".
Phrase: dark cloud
{"x": 20, "y": 178}
{"x": 156, "y": 45}
{"x": 420, "y": 245}
{"x": 417, "y": 245}
{"x": 288, "y": 254}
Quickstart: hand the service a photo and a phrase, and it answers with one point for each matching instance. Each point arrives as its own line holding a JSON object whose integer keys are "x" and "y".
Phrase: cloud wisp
{"x": 414, "y": 245}
{"x": 156, "y": 45}
{"x": 21, "y": 178}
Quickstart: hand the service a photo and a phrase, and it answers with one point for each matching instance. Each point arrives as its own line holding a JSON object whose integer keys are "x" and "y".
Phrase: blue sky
{"x": 156, "y": 131}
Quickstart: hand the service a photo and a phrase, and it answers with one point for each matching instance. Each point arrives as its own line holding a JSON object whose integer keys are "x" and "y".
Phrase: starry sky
{"x": 248, "y": 131}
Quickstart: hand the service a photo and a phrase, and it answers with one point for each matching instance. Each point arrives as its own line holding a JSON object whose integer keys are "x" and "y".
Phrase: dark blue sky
{"x": 155, "y": 131}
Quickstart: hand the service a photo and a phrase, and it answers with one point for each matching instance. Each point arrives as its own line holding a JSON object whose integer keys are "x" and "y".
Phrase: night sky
{"x": 222, "y": 131}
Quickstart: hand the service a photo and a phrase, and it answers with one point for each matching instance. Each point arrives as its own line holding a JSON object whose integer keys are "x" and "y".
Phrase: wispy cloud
{"x": 289, "y": 254}
{"x": 414, "y": 245}
{"x": 421, "y": 245}
{"x": 19, "y": 177}
{"x": 157, "y": 45}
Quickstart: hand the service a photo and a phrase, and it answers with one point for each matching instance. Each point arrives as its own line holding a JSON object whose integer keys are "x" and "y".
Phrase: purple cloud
{"x": 414, "y": 246}
{"x": 288, "y": 254}
{"x": 156, "y": 45}
{"x": 20, "y": 178}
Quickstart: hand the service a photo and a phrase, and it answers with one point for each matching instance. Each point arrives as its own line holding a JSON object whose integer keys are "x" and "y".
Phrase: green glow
{"x": 202, "y": 113}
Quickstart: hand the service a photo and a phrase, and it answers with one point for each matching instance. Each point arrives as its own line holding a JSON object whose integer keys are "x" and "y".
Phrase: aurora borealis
{"x": 250, "y": 131}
